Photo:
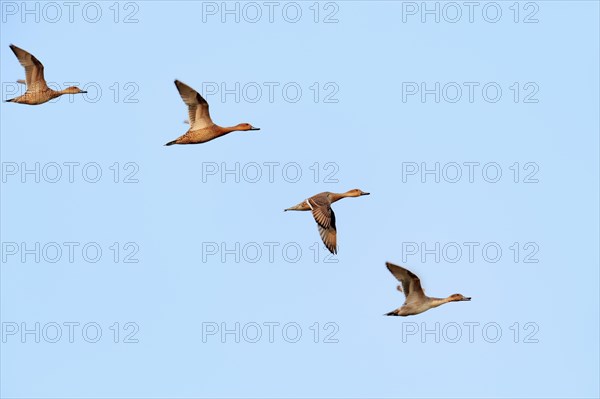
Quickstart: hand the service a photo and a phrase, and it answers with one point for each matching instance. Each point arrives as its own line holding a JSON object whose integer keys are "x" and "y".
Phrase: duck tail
{"x": 12, "y": 100}
{"x": 392, "y": 313}
{"x": 171, "y": 142}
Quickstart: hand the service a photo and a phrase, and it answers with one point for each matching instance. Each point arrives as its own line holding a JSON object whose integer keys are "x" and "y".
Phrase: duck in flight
{"x": 416, "y": 301}
{"x": 37, "y": 91}
{"x": 320, "y": 205}
{"x": 202, "y": 128}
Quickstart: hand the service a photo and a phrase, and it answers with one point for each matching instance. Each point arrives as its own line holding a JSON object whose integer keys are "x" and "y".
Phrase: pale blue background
{"x": 369, "y": 133}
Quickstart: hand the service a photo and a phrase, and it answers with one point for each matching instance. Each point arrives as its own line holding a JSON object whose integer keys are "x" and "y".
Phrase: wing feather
{"x": 411, "y": 284}
{"x": 34, "y": 70}
{"x": 199, "y": 117}
{"x": 325, "y": 218}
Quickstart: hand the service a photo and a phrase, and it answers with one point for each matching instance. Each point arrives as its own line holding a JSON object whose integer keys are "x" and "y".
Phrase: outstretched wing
{"x": 411, "y": 284}
{"x": 34, "y": 70}
{"x": 325, "y": 218}
{"x": 199, "y": 117}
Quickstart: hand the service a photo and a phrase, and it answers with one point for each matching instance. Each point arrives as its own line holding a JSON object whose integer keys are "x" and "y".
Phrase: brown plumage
{"x": 202, "y": 128}
{"x": 416, "y": 301}
{"x": 38, "y": 91}
{"x": 320, "y": 205}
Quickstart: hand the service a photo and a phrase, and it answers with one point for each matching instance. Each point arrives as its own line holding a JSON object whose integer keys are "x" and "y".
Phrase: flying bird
{"x": 38, "y": 91}
{"x": 320, "y": 205}
{"x": 202, "y": 128}
{"x": 416, "y": 301}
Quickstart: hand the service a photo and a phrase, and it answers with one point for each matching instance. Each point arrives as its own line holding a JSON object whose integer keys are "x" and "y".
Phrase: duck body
{"x": 37, "y": 97}
{"x": 320, "y": 206}
{"x": 33, "y": 97}
{"x": 411, "y": 309}
{"x": 38, "y": 91}
{"x": 416, "y": 301}
{"x": 202, "y": 128}
{"x": 199, "y": 136}
{"x": 321, "y": 199}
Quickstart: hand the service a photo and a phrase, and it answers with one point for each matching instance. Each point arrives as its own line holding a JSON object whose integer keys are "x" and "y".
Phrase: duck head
{"x": 459, "y": 298}
{"x": 246, "y": 126}
{"x": 73, "y": 90}
{"x": 356, "y": 193}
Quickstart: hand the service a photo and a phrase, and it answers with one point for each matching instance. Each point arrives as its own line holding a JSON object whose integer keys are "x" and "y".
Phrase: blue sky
{"x": 193, "y": 241}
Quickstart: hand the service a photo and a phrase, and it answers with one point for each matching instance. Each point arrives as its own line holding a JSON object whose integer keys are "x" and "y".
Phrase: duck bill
{"x": 255, "y": 128}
